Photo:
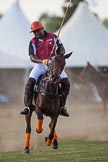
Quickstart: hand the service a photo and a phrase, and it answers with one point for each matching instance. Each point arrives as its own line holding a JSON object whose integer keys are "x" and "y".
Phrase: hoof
{"x": 48, "y": 141}
{"x": 55, "y": 144}
{"x": 39, "y": 131}
{"x": 26, "y": 150}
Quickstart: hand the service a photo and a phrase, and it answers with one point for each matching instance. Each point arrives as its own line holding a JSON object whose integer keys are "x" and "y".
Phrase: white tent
{"x": 9, "y": 61}
{"x": 86, "y": 37}
{"x": 14, "y": 38}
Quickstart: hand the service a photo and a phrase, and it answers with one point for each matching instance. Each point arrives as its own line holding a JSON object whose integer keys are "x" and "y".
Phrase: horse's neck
{"x": 48, "y": 88}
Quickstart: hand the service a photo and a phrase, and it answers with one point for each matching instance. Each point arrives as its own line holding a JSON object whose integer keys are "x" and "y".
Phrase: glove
{"x": 45, "y": 61}
{"x": 50, "y": 62}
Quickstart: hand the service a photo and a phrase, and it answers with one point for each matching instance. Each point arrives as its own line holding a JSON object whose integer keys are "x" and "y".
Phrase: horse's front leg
{"x": 27, "y": 136}
{"x": 55, "y": 141}
{"x": 39, "y": 128}
{"x": 52, "y": 125}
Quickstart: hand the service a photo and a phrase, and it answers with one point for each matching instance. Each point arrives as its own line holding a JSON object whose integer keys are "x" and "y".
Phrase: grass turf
{"x": 69, "y": 151}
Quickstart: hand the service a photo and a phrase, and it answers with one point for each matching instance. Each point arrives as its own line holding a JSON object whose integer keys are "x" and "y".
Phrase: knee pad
{"x": 30, "y": 82}
{"x": 29, "y": 87}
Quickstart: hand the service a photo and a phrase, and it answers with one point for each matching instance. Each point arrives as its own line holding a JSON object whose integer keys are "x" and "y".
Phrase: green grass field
{"x": 69, "y": 151}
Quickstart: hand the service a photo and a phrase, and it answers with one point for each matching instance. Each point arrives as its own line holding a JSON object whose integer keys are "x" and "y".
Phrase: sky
{"x": 34, "y": 8}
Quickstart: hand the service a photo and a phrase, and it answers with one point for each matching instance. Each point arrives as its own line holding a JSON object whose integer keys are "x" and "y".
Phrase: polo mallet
{"x": 74, "y": 75}
{"x": 60, "y": 28}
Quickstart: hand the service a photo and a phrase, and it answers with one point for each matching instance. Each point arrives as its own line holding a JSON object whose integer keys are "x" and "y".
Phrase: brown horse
{"x": 90, "y": 74}
{"x": 47, "y": 101}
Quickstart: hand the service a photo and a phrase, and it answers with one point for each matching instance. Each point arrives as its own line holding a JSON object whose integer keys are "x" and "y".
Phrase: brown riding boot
{"x": 28, "y": 97}
{"x": 65, "y": 87}
{"x": 63, "y": 110}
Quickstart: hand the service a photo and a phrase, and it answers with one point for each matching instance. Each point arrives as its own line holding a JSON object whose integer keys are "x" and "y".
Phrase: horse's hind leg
{"x": 48, "y": 140}
{"x": 27, "y": 136}
{"x": 39, "y": 128}
{"x": 55, "y": 141}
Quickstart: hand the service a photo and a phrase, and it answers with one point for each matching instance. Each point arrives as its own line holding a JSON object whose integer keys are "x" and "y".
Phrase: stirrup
{"x": 63, "y": 112}
{"x": 26, "y": 111}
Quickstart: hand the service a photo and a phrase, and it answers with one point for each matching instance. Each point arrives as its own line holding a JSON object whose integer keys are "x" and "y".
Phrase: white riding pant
{"x": 40, "y": 69}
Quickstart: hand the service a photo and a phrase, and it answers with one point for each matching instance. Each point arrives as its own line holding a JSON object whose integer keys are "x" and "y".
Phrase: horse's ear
{"x": 67, "y": 55}
{"x": 88, "y": 63}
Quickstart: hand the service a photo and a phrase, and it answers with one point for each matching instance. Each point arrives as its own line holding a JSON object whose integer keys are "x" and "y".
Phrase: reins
{"x": 44, "y": 91}
{"x": 79, "y": 78}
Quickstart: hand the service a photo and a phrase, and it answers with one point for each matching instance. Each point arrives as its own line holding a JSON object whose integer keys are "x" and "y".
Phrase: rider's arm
{"x": 34, "y": 59}
{"x": 32, "y": 54}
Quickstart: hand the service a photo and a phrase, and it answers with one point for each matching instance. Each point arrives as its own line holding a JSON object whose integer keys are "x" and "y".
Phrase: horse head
{"x": 51, "y": 78}
{"x": 57, "y": 64}
{"x": 89, "y": 73}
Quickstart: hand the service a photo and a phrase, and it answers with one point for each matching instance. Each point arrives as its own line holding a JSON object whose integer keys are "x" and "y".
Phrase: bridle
{"x": 49, "y": 84}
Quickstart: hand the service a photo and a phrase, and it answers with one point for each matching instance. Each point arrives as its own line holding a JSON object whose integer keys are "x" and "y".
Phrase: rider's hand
{"x": 45, "y": 61}
{"x": 50, "y": 62}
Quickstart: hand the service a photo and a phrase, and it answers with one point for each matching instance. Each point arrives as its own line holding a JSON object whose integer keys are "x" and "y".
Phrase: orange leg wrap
{"x": 39, "y": 128}
{"x": 55, "y": 136}
{"x": 27, "y": 140}
{"x": 48, "y": 142}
